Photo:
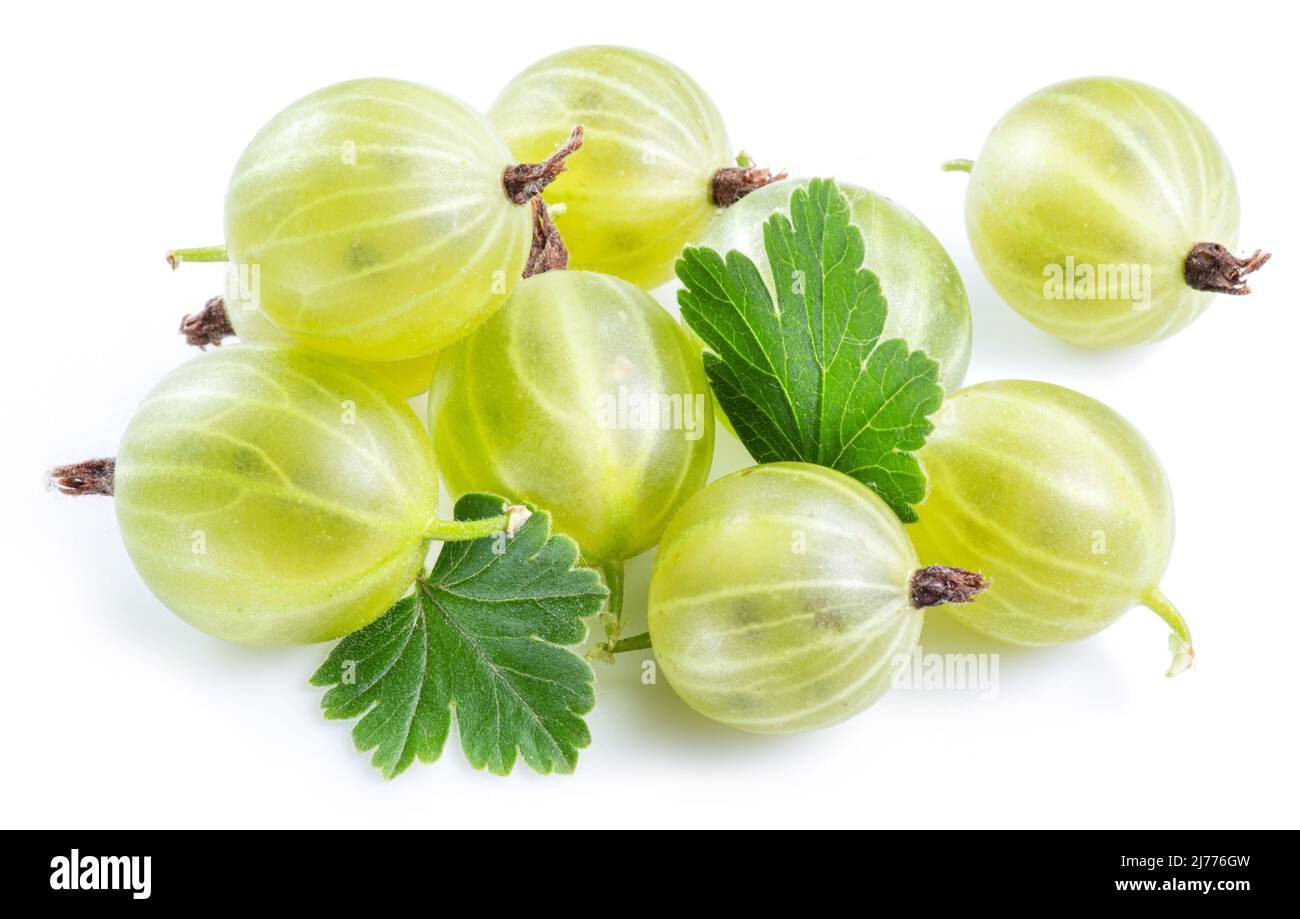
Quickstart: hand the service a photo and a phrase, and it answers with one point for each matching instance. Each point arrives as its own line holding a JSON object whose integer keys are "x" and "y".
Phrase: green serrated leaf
{"x": 484, "y": 634}
{"x": 807, "y": 378}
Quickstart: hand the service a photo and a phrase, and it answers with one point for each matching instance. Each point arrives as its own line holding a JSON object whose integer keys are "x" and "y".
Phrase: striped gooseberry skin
{"x": 640, "y": 187}
{"x": 1107, "y": 174}
{"x": 405, "y": 378}
{"x": 927, "y": 300}
{"x": 275, "y": 496}
{"x": 374, "y": 216}
{"x": 780, "y": 599}
{"x": 1054, "y": 497}
{"x": 541, "y": 404}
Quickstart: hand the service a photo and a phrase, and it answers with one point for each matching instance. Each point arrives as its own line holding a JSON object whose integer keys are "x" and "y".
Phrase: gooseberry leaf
{"x": 484, "y": 633}
{"x": 807, "y": 378}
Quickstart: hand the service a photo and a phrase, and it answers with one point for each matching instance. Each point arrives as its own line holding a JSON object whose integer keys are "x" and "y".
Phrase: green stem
{"x": 199, "y": 254}
{"x": 1180, "y": 642}
{"x": 632, "y": 643}
{"x": 614, "y": 622}
{"x": 612, "y": 573}
{"x": 462, "y": 530}
{"x": 958, "y": 166}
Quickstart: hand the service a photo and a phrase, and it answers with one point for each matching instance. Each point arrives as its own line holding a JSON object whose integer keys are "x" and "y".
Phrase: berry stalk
{"x": 1180, "y": 640}
{"x": 512, "y": 517}
{"x": 199, "y": 254}
{"x": 614, "y": 619}
{"x": 632, "y": 643}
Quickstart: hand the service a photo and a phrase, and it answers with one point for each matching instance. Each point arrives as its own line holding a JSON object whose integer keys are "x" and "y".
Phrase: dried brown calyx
{"x": 209, "y": 325}
{"x": 937, "y": 584}
{"x": 525, "y": 181}
{"x": 92, "y": 477}
{"x": 731, "y": 183}
{"x": 1211, "y": 267}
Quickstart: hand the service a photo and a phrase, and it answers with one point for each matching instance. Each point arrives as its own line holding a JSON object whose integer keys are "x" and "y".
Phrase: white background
{"x": 120, "y": 131}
